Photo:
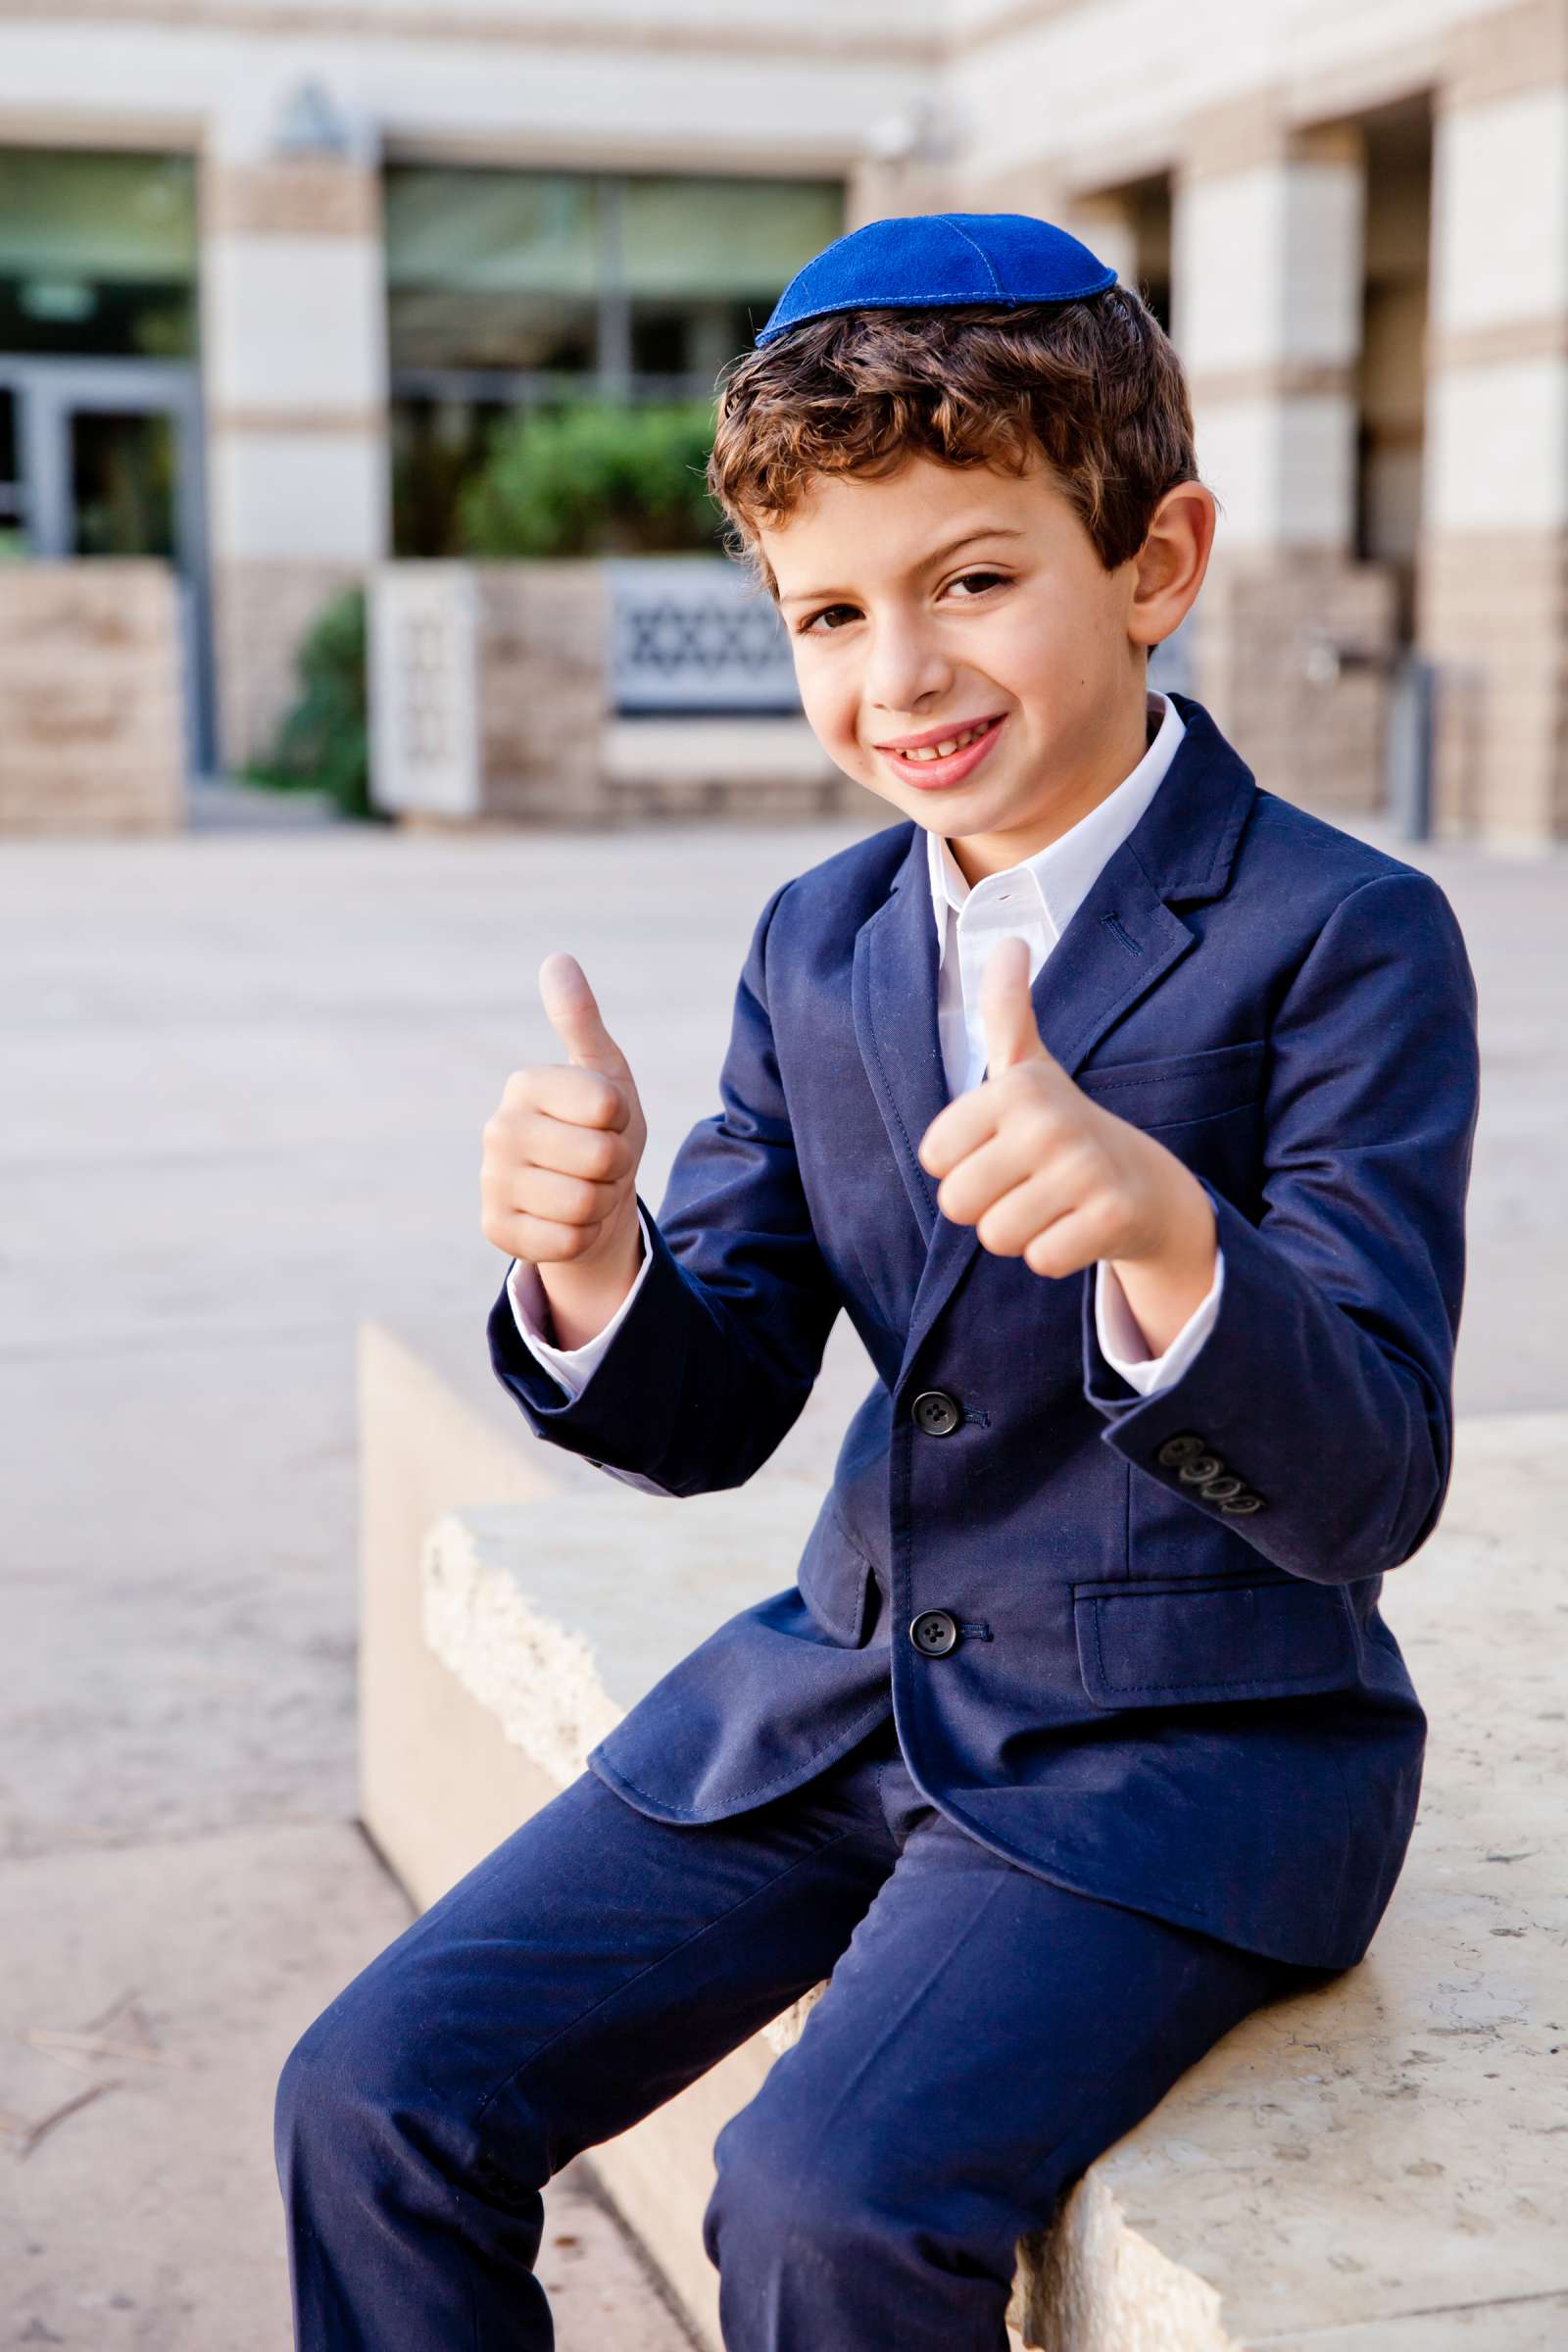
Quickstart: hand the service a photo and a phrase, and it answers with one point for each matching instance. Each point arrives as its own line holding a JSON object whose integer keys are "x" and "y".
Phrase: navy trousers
{"x": 984, "y": 2036}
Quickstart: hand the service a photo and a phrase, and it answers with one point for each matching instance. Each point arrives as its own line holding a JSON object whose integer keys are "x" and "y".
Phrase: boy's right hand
{"x": 559, "y": 1180}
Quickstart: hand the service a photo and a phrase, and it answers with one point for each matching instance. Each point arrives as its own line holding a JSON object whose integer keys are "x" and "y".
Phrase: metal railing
{"x": 691, "y": 637}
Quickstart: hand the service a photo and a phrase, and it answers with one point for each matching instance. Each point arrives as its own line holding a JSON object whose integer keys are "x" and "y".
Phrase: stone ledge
{"x": 558, "y": 1615}
{"x": 1340, "y": 2171}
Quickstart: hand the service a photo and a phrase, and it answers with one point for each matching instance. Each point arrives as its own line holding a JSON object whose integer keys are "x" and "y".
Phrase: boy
{"x": 1127, "y": 1112}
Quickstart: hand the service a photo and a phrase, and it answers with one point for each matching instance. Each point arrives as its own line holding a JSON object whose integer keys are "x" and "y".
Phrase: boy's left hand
{"x": 1045, "y": 1174}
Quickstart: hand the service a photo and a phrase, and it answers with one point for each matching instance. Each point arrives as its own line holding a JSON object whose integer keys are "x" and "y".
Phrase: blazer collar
{"x": 1121, "y": 942}
{"x": 1063, "y": 871}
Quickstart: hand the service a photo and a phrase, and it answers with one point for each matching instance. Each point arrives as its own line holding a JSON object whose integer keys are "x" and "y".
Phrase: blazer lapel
{"x": 893, "y": 996}
{"x": 1121, "y": 942}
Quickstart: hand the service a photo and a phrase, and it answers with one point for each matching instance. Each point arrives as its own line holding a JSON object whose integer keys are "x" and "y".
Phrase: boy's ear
{"x": 1168, "y": 568}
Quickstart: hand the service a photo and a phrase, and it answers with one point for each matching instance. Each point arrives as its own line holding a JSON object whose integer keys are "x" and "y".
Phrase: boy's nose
{"x": 900, "y": 677}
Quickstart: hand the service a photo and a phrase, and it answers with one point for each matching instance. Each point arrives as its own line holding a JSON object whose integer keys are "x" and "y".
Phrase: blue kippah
{"x": 929, "y": 261}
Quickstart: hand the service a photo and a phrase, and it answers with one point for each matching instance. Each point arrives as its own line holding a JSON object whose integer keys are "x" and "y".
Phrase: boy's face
{"x": 943, "y": 596}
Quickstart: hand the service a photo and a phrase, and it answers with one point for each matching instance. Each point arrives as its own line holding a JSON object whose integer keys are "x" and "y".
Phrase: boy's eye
{"x": 985, "y": 580}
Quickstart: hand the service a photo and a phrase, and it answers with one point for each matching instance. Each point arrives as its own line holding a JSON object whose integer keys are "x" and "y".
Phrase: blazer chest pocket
{"x": 1180, "y": 1088}
{"x": 1179, "y": 1642}
{"x": 834, "y": 1577}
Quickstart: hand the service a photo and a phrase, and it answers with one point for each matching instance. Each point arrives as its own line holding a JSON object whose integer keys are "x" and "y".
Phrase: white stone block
{"x": 423, "y": 649}
{"x": 1226, "y": 241}
{"x": 294, "y": 323}
{"x": 299, "y": 497}
{"x": 1498, "y": 449}
{"x": 1267, "y": 266}
{"x": 1320, "y": 283}
{"x": 1501, "y": 212}
{"x": 1284, "y": 472}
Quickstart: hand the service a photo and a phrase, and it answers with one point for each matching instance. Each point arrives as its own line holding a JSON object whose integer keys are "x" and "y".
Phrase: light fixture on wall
{"x": 310, "y": 126}
{"x": 921, "y": 133}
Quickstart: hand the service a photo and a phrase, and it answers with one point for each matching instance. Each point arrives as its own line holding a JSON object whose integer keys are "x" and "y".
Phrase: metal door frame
{"x": 48, "y": 393}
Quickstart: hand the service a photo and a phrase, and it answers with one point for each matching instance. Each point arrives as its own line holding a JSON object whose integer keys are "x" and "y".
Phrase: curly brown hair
{"x": 1094, "y": 384}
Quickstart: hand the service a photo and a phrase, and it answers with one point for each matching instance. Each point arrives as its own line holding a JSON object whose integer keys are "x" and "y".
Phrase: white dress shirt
{"x": 1036, "y": 899}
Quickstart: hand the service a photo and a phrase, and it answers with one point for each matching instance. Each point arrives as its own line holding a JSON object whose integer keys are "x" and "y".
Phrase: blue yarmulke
{"x": 930, "y": 261}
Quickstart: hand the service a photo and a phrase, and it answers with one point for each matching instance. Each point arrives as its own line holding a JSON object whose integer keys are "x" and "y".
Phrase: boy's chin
{"x": 924, "y": 811}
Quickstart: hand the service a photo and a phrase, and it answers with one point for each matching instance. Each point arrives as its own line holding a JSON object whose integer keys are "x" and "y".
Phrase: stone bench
{"x": 1379, "y": 2166}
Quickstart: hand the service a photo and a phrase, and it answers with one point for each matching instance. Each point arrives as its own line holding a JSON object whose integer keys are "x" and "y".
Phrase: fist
{"x": 1043, "y": 1173}
{"x": 558, "y": 1177}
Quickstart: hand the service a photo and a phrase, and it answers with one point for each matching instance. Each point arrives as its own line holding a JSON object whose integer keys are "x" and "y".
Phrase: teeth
{"x": 945, "y": 751}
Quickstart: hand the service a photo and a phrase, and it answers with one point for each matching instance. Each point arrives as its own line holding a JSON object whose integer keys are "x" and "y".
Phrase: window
{"x": 492, "y": 270}
{"x": 507, "y": 289}
{"x": 97, "y": 254}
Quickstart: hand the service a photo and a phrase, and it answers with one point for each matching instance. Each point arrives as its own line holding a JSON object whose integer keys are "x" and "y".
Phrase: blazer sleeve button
{"x": 1177, "y": 1450}
{"x": 1199, "y": 1471}
{"x": 1242, "y": 1506}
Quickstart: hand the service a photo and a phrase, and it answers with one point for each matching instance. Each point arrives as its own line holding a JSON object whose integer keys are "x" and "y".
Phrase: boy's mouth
{"x": 949, "y": 759}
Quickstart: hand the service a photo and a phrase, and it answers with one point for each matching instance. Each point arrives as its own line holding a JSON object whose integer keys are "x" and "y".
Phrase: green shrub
{"x": 598, "y": 477}
{"x": 323, "y": 744}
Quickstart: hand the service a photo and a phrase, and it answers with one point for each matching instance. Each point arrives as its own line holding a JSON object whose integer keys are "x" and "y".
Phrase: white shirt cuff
{"x": 531, "y": 1311}
{"x": 1123, "y": 1344}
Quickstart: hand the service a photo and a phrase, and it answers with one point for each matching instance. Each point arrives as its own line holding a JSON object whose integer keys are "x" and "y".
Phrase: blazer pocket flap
{"x": 1176, "y": 1644}
{"x": 834, "y": 1576}
{"x": 1179, "y": 1087}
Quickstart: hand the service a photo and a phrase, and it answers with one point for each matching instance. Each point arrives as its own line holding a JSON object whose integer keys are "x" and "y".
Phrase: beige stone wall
{"x": 1494, "y": 619}
{"x": 1311, "y": 738}
{"x": 92, "y": 701}
{"x": 542, "y": 632}
{"x": 261, "y": 612}
{"x": 552, "y": 752}
{"x": 769, "y": 770}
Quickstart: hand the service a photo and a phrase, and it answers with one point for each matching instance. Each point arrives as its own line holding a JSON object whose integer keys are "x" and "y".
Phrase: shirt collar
{"x": 1063, "y": 871}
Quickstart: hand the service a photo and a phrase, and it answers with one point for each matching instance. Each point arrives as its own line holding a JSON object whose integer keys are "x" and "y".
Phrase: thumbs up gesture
{"x": 1045, "y": 1174}
{"x": 559, "y": 1178}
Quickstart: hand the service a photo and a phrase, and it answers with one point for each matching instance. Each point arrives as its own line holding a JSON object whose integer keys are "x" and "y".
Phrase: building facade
{"x": 270, "y": 267}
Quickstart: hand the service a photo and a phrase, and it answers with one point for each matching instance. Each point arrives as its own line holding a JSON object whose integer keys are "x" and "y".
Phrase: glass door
{"x": 123, "y": 482}
{"x": 12, "y": 539}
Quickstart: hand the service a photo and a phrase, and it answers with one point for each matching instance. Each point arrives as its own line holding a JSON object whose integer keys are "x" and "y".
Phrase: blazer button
{"x": 934, "y": 1633}
{"x": 936, "y": 1412}
{"x": 1199, "y": 1472}
{"x": 1242, "y": 1506}
{"x": 1177, "y": 1450}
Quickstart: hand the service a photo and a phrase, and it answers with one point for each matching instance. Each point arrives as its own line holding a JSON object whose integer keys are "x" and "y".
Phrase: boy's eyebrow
{"x": 989, "y": 531}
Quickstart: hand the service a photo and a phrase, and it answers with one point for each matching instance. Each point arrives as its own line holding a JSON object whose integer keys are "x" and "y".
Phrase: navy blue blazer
{"x": 1131, "y": 1643}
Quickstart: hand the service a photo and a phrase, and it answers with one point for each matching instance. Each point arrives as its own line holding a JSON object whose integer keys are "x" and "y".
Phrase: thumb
{"x": 574, "y": 1014}
{"x": 1007, "y": 1013}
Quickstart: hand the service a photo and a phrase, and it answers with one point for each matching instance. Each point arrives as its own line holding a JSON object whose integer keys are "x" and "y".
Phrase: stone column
{"x": 1492, "y": 583}
{"x": 294, "y": 357}
{"x": 1267, "y": 270}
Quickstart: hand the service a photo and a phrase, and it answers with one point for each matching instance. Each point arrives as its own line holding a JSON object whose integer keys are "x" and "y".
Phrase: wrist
{"x": 1165, "y": 1284}
{"x": 1193, "y": 1243}
{"x": 1181, "y": 1236}
{"x": 585, "y": 1292}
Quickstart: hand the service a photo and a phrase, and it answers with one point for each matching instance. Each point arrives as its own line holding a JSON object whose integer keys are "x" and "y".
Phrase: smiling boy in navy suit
{"x": 1127, "y": 1112}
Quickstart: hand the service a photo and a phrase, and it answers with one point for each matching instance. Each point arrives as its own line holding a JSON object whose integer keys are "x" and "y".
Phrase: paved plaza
{"x": 244, "y": 1078}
